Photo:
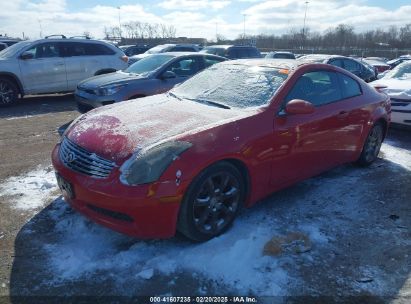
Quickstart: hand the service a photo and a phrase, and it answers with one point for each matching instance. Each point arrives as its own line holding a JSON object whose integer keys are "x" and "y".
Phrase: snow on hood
{"x": 116, "y": 131}
{"x": 396, "y": 88}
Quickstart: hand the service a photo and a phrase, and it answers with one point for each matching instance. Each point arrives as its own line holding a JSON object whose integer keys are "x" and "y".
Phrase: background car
{"x": 280, "y": 55}
{"x": 131, "y": 50}
{"x": 381, "y": 66}
{"x": 188, "y": 160}
{"x": 232, "y": 51}
{"x": 164, "y": 48}
{"x": 394, "y": 62}
{"x": 352, "y": 65}
{"x": 54, "y": 65}
{"x": 151, "y": 75}
{"x": 397, "y": 83}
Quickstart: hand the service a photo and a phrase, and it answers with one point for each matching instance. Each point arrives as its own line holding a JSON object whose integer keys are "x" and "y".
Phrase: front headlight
{"x": 147, "y": 166}
{"x": 109, "y": 90}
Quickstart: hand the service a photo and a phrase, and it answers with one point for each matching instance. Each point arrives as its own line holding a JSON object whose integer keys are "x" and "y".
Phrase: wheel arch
{"x": 15, "y": 79}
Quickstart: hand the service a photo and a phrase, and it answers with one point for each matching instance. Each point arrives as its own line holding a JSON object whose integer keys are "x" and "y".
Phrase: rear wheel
{"x": 9, "y": 92}
{"x": 211, "y": 202}
{"x": 372, "y": 145}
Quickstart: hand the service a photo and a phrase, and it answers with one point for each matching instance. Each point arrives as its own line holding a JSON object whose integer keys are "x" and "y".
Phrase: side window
{"x": 233, "y": 53}
{"x": 352, "y": 66}
{"x": 45, "y": 50}
{"x": 253, "y": 53}
{"x": 185, "y": 67}
{"x": 96, "y": 49}
{"x": 182, "y": 49}
{"x": 350, "y": 87}
{"x": 209, "y": 61}
{"x": 318, "y": 87}
{"x": 75, "y": 49}
{"x": 337, "y": 62}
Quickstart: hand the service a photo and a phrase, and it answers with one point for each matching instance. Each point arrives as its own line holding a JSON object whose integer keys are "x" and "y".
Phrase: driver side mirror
{"x": 299, "y": 106}
{"x": 26, "y": 55}
{"x": 168, "y": 75}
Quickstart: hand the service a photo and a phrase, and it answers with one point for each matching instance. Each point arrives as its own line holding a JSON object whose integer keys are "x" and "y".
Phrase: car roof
{"x": 226, "y": 46}
{"x": 181, "y": 54}
{"x": 290, "y": 64}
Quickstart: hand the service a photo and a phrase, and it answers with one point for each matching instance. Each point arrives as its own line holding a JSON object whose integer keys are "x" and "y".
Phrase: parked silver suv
{"x": 54, "y": 65}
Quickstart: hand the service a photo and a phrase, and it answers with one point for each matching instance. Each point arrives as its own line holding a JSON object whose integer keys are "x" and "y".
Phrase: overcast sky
{"x": 197, "y": 18}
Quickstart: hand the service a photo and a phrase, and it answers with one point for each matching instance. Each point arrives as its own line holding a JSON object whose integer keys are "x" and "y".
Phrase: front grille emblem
{"x": 71, "y": 157}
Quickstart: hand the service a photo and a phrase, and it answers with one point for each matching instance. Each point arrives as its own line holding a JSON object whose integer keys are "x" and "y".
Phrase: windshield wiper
{"x": 174, "y": 95}
{"x": 213, "y": 103}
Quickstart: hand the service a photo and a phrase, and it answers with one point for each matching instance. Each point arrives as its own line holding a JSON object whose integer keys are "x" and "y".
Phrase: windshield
{"x": 158, "y": 49}
{"x": 148, "y": 64}
{"x": 12, "y": 50}
{"x": 402, "y": 72}
{"x": 233, "y": 85}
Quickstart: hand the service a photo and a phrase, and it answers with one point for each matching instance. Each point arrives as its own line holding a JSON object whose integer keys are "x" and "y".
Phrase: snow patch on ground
{"x": 31, "y": 190}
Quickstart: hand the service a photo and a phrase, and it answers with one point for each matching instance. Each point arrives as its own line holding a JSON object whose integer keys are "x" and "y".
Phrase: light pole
{"x": 216, "y": 31}
{"x": 305, "y": 17}
{"x": 119, "y": 21}
{"x": 41, "y": 28}
{"x": 244, "y": 15}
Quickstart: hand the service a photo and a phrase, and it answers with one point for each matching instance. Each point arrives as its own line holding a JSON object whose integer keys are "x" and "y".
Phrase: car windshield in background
{"x": 12, "y": 50}
{"x": 148, "y": 64}
{"x": 235, "y": 85}
{"x": 401, "y": 72}
{"x": 157, "y": 49}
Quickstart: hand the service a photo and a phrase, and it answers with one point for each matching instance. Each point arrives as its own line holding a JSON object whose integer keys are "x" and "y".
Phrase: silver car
{"x": 151, "y": 75}
{"x": 54, "y": 65}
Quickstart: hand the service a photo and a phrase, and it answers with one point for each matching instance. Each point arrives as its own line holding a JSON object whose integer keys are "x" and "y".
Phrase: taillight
{"x": 380, "y": 87}
{"x": 124, "y": 58}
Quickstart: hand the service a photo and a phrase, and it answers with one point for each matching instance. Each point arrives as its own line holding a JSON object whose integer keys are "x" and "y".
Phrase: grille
{"x": 80, "y": 160}
{"x": 400, "y": 102}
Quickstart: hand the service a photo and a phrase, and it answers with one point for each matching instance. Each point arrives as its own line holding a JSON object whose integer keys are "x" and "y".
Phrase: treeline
{"x": 140, "y": 30}
{"x": 341, "y": 37}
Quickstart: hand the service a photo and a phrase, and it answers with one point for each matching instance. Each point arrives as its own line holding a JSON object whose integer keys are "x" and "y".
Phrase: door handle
{"x": 59, "y": 64}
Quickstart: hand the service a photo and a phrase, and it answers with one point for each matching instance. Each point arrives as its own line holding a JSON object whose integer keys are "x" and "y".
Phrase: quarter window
{"x": 350, "y": 87}
{"x": 185, "y": 67}
{"x": 209, "y": 61}
{"x": 318, "y": 87}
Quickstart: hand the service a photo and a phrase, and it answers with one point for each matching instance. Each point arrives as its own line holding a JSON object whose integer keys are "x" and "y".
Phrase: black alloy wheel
{"x": 372, "y": 145}
{"x": 8, "y": 92}
{"x": 212, "y": 202}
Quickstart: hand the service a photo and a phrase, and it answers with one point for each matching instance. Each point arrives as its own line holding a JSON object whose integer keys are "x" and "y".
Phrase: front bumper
{"x": 146, "y": 211}
{"x": 401, "y": 111}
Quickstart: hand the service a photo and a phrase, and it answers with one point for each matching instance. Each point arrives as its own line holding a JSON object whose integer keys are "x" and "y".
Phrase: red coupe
{"x": 188, "y": 160}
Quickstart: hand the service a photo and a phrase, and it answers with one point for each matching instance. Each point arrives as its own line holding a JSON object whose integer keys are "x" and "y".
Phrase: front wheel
{"x": 9, "y": 92}
{"x": 372, "y": 146}
{"x": 211, "y": 202}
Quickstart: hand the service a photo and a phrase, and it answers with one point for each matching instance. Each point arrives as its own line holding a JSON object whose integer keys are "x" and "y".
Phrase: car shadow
{"x": 39, "y": 104}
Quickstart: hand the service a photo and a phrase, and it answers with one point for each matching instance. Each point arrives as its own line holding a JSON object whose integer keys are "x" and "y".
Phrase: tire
{"x": 9, "y": 92}
{"x": 211, "y": 202}
{"x": 372, "y": 145}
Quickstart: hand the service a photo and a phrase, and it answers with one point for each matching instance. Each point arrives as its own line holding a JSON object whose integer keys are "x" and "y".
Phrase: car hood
{"x": 396, "y": 88}
{"x": 115, "y": 132}
{"x": 109, "y": 79}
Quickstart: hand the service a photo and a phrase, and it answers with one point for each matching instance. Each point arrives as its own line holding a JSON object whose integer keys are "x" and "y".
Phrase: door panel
{"x": 308, "y": 144}
{"x": 46, "y": 72}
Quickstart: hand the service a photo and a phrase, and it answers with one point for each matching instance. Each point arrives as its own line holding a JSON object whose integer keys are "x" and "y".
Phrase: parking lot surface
{"x": 345, "y": 234}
